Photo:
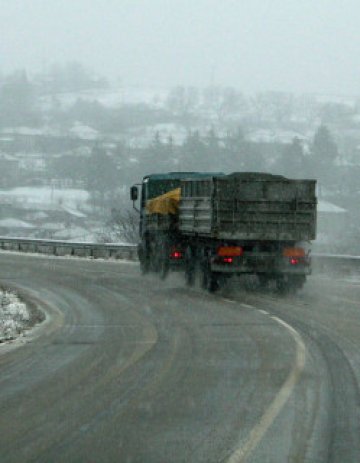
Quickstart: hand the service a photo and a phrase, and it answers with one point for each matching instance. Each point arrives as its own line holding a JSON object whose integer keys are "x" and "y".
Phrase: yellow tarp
{"x": 167, "y": 203}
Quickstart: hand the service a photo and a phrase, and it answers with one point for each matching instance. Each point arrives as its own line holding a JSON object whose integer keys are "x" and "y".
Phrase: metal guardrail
{"x": 322, "y": 263}
{"x": 335, "y": 256}
{"x": 339, "y": 264}
{"x": 66, "y": 248}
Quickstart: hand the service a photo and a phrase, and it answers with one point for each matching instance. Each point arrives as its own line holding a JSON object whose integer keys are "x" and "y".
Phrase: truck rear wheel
{"x": 263, "y": 280}
{"x": 213, "y": 283}
{"x": 164, "y": 268}
{"x": 163, "y": 262}
{"x": 189, "y": 278}
{"x": 209, "y": 280}
{"x": 290, "y": 284}
{"x": 297, "y": 281}
{"x": 144, "y": 260}
{"x": 190, "y": 267}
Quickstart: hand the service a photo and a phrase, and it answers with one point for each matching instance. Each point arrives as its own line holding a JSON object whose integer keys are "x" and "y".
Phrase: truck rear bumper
{"x": 265, "y": 265}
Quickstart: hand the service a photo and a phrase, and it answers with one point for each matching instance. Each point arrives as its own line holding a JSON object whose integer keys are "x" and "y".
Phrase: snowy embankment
{"x": 15, "y": 317}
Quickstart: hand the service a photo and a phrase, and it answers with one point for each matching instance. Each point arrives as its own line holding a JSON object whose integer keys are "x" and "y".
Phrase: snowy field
{"x": 14, "y": 316}
{"x": 66, "y": 197}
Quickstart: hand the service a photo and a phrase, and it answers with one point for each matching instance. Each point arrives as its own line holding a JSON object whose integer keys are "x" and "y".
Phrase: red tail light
{"x": 227, "y": 260}
{"x": 176, "y": 254}
{"x": 296, "y": 256}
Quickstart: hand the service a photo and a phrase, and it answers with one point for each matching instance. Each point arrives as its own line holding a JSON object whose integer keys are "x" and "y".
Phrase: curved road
{"x": 131, "y": 369}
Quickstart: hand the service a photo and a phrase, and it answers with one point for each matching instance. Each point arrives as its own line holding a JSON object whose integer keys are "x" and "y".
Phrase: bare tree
{"x": 123, "y": 225}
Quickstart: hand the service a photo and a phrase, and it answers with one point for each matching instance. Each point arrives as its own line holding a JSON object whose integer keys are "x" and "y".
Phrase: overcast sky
{"x": 254, "y": 45}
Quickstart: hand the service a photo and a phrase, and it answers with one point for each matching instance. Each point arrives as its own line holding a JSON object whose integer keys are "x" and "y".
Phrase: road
{"x": 130, "y": 369}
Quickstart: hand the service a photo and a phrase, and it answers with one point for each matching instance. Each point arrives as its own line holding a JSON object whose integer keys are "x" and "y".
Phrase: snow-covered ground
{"x": 14, "y": 316}
{"x": 67, "y": 197}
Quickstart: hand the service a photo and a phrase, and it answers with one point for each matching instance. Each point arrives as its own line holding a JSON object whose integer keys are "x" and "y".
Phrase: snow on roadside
{"x": 14, "y": 316}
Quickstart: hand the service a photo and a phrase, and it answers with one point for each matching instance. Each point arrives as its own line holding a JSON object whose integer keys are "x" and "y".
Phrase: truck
{"x": 216, "y": 226}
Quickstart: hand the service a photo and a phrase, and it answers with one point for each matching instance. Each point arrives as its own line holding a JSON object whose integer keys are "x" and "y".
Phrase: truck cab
{"x": 161, "y": 248}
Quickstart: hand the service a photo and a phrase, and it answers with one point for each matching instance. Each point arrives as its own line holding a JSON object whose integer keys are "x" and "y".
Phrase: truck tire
{"x": 297, "y": 281}
{"x": 213, "y": 283}
{"x": 163, "y": 261}
{"x": 190, "y": 267}
{"x": 144, "y": 261}
{"x": 290, "y": 284}
{"x": 263, "y": 280}
{"x": 282, "y": 285}
{"x": 209, "y": 280}
{"x": 164, "y": 268}
{"x": 204, "y": 276}
{"x": 189, "y": 278}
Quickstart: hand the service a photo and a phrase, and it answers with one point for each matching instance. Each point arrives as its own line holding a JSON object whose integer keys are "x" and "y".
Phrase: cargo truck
{"x": 218, "y": 225}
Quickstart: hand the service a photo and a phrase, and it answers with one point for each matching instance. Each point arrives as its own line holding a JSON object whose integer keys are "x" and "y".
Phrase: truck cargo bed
{"x": 248, "y": 206}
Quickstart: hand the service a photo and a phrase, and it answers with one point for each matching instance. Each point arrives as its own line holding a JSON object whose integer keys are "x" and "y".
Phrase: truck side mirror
{"x": 134, "y": 194}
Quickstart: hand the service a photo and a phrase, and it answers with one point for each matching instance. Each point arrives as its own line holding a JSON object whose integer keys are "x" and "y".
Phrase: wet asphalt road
{"x": 131, "y": 369}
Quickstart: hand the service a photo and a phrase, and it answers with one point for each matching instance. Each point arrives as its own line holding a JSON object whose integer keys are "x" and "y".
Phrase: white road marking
{"x": 244, "y": 448}
{"x": 263, "y": 312}
{"x": 247, "y": 306}
{"x": 229, "y": 300}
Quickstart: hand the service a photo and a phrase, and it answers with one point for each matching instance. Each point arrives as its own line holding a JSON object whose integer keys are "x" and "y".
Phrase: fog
{"x": 257, "y": 45}
{"x": 95, "y": 95}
